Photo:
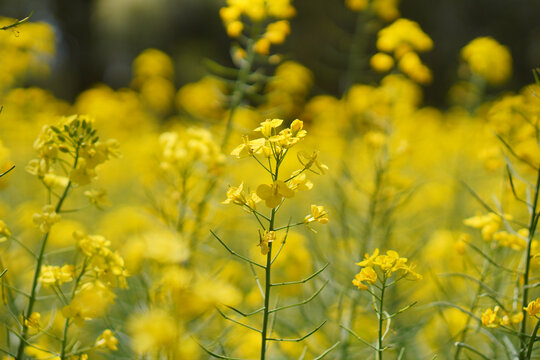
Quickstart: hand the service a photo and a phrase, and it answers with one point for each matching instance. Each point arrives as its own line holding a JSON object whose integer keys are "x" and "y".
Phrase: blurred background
{"x": 97, "y": 40}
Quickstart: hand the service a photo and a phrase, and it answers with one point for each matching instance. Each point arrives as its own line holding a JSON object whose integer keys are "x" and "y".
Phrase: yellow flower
{"x": 309, "y": 160}
{"x": 152, "y": 331}
{"x": 490, "y": 318}
{"x": 234, "y": 29}
{"x": 248, "y": 147}
{"x": 56, "y": 275}
{"x": 33, "y": 321}
{"x": 533, "y": 308}
{"x": 82, "y": 174}
{"x": 46, "y": 219}
{"x": 274, "y": 194}
{"x": 488, "y": 59}
{"x": 317, "y": 214}
{"x": 262, "y": 46}
{"x": 267, "y": 126}
{"x": 267, "y": 238}
{"x": 107, "y": 339}
{"x": 92, "y": 301}
{"x": 368, "y": 275}
{"x": 300, "y": 182}
{"x": 277, "y": 32}
{"x": 98, "y": 198}
{"x": 356, "y": 5}
{"x": 381, "y": 62}
{"x": 368, "y": 259}
{"x": 4, "y": 231}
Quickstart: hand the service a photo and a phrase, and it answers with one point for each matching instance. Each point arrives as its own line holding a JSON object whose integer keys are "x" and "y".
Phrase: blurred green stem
{"x": 532, "y": 229}
{"x": 67, "y": 322}
{"x": 381, "y": 318}
{"x": 33, "y": 290}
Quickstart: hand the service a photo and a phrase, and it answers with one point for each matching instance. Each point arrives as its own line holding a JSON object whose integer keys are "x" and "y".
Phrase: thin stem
{"x": 267, "y": 287}
{"x": 532, "y": 340}
{"x": 381, "y": 318}
{"x": 532, "y": 228}
{"x": 67, "y": 323}
{"x": 33, "y": 291}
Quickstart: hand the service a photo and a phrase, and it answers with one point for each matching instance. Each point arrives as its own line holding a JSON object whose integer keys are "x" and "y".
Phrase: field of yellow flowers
{"x": 243, "y": 217}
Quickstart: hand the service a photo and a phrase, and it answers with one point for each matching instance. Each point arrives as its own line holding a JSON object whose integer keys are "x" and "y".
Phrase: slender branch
{"x": 300, "y": 338}
{"x": 304, "y": 280}
{"x": 234, "y": 253}
{"x": 301, "y": 302}
{"x": 237, "y": 322}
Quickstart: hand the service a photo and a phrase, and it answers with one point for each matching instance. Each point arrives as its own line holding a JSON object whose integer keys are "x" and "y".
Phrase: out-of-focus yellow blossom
{"x": 386, "y": 9}
{"x": 166, "y": 247}
{"x": 368, "y": 275}
{"x": 234, "y": 28}
{"x": 514, "y": 241}
{"x": 276, "y": 32}
{"x": 490, "y": 317}
{"x": 204, "y": 98}
{"x": 158, "y": 93}
{"x": 488, "y": 59}
{"x": 262, "y": 46}
{"x": 403, "y": 36}
{"x": 24, "y": 52}
{"x": 461, "y": 243}
{"x": 46, "y": 219}
{"x": 381, "y": 62}
{"x": 185, "y": 152}
{"x": 152, "y": 63}
{"x": 533, "y": 307}
{"x": 108, "y": 266}
{"x": 308, "y": 161}
{"x": 98, "y": 198}
{"x": 107, "y": 340}
{"x": 4, "y": 231}
{"x": 152, "y": 331}
{"x": 33, "y": 321}
{"x": 412, "y": 66}
{"x": 56, "y": 275}
{"x": 489, "y": 224}
{"x": 90, "y": 302}
{"x": 357, "y": 5}
{"x": 273, "y": 194}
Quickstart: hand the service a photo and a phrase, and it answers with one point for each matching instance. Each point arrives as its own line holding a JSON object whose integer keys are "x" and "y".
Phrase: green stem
{"x": 66, "y": 324}
{"x": 267, "y": 287}
{"x": 381, "y": 315}
{"x": 532, "y": 340}
{"x": 33, "y": 291}
{"x": 239, "y": 89}
{"x": 473, "y": 308}
{"x": 532, "y": 228}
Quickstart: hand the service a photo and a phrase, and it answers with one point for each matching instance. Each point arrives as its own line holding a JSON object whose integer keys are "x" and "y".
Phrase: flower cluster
{"x": 488, "y": 59}
{"x": 385, "y": 9}
{"x": 382, "y": 267}
{"x": 102, "y": 262}
{"x": 240, "y": 14}
{"x": 56, "y": 275}
{"x": 74, "y": 141}
{"x": 490, "y": 227}
{"x": 404, "y": 39}
{"x": 497, "y": 317}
